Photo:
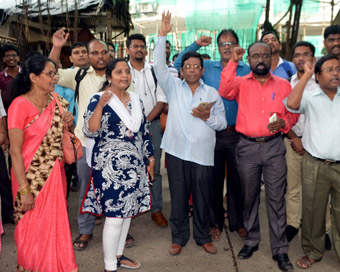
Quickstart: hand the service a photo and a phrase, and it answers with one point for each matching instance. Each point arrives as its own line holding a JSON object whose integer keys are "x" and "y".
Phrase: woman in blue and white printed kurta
{"x": 119, "y": 186}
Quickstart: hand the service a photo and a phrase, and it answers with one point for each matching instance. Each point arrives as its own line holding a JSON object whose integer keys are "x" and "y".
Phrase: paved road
{"x": 152, "y": 244}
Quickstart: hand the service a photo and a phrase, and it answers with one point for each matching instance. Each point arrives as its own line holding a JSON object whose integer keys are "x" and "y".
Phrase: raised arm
{"x": 229, "y": 86}
{"x": 201, "y": 41}
{"x": 294, "y": 98}
{"x": 59, "y": 39}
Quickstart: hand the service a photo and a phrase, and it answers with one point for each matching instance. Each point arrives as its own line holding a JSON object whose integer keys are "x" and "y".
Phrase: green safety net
{"x": 210, "y": 17}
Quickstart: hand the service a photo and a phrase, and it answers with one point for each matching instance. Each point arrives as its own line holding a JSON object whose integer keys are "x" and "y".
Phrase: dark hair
{"x": 112, "y": 65}
{"x": 264, "y": 33}
{"x": 95, "y": 40}
{"x": 321, "y": 61}
{"x": 333, "y": 29}
{"x": 192, "y": 54}
{"x": 205, "y": 56}
{"x": 110, "y": 43}
{"x": 21, "y": 84}
{"x": 10, "y": 47}
{"x": 76, "y": 45}
{"x": 175, "y": 56}
{"x": 225, "y": 32}
{"x": 135, "y": 37}
{"x": 259, "y": 42}
{"x": 307, "y": 44}
{"x": 168, "y": 42}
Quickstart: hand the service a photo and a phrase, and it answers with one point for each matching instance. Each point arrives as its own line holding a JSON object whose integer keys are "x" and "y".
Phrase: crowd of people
{"x": 272, "y": 125}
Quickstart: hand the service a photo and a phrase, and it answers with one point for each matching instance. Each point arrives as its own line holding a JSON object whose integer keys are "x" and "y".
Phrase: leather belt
{"x": 262, "y": 139}
{"x": 329, "y": 162}
{"x": 230, "y": 129}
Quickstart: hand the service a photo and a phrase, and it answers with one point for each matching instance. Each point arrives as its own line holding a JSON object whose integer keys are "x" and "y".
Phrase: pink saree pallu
{"x": 42, "y": 235}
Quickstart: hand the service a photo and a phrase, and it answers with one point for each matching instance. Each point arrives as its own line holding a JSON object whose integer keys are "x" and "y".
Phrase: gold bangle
{"x": 24, "y": 192}
{"x": 25, "y": 186}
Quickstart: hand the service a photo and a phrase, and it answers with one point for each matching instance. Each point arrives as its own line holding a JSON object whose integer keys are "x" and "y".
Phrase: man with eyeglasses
{"x": 92, "y": 82}
{"x": 154, "y": 101}
{"x": 321, "y": 161}
{"x": 332, "y": 40}
{"x": 196, "y": 111}
{"x": 279, "y": 66}
{"x": 303, "y": 52}
{"x": 226, "y": 139}
{"x": 11, "y": 59}
{"x": 78, "y": 56}
{"x": 261, "y": 120}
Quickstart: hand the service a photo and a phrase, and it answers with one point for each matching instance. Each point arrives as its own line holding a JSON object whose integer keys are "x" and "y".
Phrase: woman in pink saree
{"x": 42, "y": 232}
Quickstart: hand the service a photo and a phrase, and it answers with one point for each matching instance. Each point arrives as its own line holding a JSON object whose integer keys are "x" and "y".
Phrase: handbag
{"x": 72, "y": 147}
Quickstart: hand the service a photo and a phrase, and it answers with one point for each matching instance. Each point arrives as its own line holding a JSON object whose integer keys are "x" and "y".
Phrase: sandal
{"x": 82, "y": 243}
{"x": 215, "y": 234}
{"x": 305, "y": 262}
{"x": 129, "y": 242}
{"x": 123, "y": 258}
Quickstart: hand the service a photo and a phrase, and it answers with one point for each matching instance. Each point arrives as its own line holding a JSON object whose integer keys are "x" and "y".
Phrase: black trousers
{"x": 184, "y": 177}
{"x": 225, "y": 152}
{"x": 70, "y": 170}
{"x": 5, "y": 189}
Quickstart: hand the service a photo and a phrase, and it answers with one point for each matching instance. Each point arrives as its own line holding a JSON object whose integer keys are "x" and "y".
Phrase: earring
{"x": 109, "y": 82}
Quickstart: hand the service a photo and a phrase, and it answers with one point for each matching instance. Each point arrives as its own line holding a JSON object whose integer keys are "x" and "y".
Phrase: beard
{"x": 262, "y": 71}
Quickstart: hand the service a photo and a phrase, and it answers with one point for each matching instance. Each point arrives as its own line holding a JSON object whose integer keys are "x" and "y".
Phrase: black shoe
{"x": 247, "y": 251}
{"x": 283, "y": 262}
{"x": 328, "y": 244}
{"x": 291, "y": 232}
{"x": 75, "y": 185}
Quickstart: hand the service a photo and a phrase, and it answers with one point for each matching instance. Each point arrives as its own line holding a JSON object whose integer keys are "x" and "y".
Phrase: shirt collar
{"x": 5, "y": 71}
{"x": 319, "y": 91}
{"x": 146, "y": 66}
{"x": 219, "y": 64}
{"x": 251, "y": 75}
{"x": 295, "y": 78}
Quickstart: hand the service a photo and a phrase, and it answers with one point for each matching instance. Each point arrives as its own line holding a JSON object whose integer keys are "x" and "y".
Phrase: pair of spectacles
{"x": 263, "y": 56}
{"x": 96, "y": 53}
{"x": 306, "y": 54}
{"x": 51, "y": 74}
{"x": 136, "y": 46}
{"x": 188, "y": 66}
{"x": 224, "y": 44}
{"x": 331, "y": 70}
{"x": 8, "y": 56}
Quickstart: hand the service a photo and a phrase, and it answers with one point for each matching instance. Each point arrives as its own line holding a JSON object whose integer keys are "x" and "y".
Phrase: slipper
{"x": 129, "y": 242}
{"x": 123, "y": 258}
{"x": 305, "y": 262}
{"x": 82, "y": 242}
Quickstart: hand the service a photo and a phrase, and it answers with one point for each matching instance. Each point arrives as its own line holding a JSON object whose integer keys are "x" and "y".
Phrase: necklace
{"x": 39, "y": 107}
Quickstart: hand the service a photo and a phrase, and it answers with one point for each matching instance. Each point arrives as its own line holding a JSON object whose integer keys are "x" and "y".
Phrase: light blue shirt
{"x": 281, "y": 70}
{"x": 187, "y": 137}
{"x": 68, "y": 94}
{"x": 212, "y": 77}
{"x": 321, "y": 135}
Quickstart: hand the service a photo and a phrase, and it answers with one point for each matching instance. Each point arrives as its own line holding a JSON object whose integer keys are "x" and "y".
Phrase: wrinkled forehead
{"x": 259, "y": 48}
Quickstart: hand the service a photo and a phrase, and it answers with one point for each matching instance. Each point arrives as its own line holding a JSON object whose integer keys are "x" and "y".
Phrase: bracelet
{"x": 25, "y": 191}
{"x": 151, "y": 160}
{"x": 25, "y": 186}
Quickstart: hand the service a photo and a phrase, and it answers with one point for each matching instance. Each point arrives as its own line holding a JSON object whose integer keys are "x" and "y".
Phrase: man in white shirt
{"x": 154, "y": 100}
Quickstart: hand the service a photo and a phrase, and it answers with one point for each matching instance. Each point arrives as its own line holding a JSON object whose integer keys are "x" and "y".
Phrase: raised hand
{"x": 104, "y": 99}
{"x": 203, "y": 41}
{"x": 165, "y": 26}
{"x": 60, "y": 37}
{"x": 308, "y": 68}
{"x": 237, "y": 54}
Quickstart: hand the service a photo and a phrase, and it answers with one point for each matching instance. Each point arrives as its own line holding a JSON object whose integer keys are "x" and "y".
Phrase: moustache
{"x": 336, "y": 46}
{"x": 261, "y": 64}
{"x": 301, "y": 63}
{"x": 226, "y": 51}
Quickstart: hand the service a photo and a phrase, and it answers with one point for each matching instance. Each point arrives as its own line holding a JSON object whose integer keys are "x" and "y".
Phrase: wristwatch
{"x": 148, "y": 123}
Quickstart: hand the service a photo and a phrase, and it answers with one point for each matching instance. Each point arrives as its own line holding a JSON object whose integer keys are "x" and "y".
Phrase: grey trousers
{"x": 156, "y": 189}
{"x": 319, "y": 180}
{"x": 254, "y": 159}
{"x": 186, "y": 177}
{"x": 85, "y": 220}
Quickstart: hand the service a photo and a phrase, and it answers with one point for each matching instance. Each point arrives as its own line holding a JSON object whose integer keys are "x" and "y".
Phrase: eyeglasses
{"x": 96, "y": 53}
{"x": 306, "y": 54}
{"x": 8, "y": 56}
{"x": 331, "y": 70}
{"x": 51, "y": 74}
{"x": 263, "y": 56}
{"x": 136, "y": 46}
{"x": 224, "y": 44}
{"x": 188, "y": 66}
